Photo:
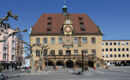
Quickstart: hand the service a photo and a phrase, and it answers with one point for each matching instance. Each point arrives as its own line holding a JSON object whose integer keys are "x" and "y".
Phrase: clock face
{"x": 68, "y": 28}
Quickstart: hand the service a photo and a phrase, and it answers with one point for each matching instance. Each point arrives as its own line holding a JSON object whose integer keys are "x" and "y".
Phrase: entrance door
{"x": 91, "y": 63}
{"x": 69, "y": 64}
{"x": 68, "y": 52}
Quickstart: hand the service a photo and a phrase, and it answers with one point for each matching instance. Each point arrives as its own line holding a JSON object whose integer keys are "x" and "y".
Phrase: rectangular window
{"x": 111, "y": 43}
{"x": 114, "y": 43}
{"x": 37, "y": 52}
{"x": 93, "y": 52}
{"x": 80, "y": 18}
{"x": 13, "y": 43}
{"x": 49, "y": 23}
{"x": 115, "y": 55}
{"x": 45, "y": 40}
{"x": 44, "y": 52}
{"x": 60, "y": 41}
{"x": 52, "y": 40}
{"x": 93, "y": 40}
{"x": 75, "y": 52}
{"x": 106, "y": 55}
{"x": 114, "y": 49}
{"x": 13, "y": 50}
{"x": 127, "y": 49}
{"x": 106, "y": 49}
{"x": 60, "y": 52}
{"x": 103, "y": 50}
{"x": 81, "y": 24}
{"x": 13, "y": 36}
{"x": 119, "y": 43}
{"x": 123, "y": 43}
{"x": 127, "y": 43}
{"x": 49, "y": 18}
{"x": 119, "y": 55}
{"x": 82, "y": 29}
{"x": 48, "y": 30}
{"x": 4, "y": 56}
{"x": 75, "y": 40}
{"x": 106, "y": 43}
{"x": 127, "y": 55}
{"x": 102, "y": 43}
{"x": 84, "y": 51}
{"x": 5, "y": 48}
{"x": 12, "y": 57}
{"x": 110, "y": 55}
{"x": 118, "y": 49}
{"x": 52, "y": 52}
{"x": 84, "y": 40}
{"x": 123, "y": 49}
{"x": 103, "y": 55}
{"x": 123, "y": 55}
{"x": 110, "y": 49}
{"x": 37, "y": 40}
{"x": 68, "y": 52}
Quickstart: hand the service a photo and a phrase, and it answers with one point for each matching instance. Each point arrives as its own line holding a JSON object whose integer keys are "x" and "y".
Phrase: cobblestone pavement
{"x": 114, "y": 73}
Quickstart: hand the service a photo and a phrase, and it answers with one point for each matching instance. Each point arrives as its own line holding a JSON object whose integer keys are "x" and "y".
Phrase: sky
{"x": 112, "y": 16}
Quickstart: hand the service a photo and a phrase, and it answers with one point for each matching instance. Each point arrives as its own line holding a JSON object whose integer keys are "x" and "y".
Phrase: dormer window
{"x": 49, "y": 18}
{"x": 82, "y": 30}
{"x": 48, "y": 30}
{"x": 49, "y": 24}
{"x": 80, "y": 18}
{"x": 81, "y": 24}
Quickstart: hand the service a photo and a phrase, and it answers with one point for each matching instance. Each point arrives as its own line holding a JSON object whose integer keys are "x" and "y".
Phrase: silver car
{"x": 3, "y": 76}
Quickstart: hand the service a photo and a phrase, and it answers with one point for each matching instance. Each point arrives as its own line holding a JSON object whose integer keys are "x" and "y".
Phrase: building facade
{"x": 19, "y": 53}
{"x": 68, "y": 36}
{"x": 116, "y": 52}
{"x": 7, "y": 48}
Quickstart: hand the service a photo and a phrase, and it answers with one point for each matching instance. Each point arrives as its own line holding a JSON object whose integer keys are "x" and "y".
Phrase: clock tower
{"x": 68, "y": 32}
{"x": 68, "y": 27}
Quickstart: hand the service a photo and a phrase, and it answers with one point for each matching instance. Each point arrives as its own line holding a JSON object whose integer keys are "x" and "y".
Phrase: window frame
{"x": 52, "y": 40}
{"x": 37, "y": 40}
{"x": 93, "y": 40}
{"x": 45, "y": 40}
{"x": 84, "y": 39}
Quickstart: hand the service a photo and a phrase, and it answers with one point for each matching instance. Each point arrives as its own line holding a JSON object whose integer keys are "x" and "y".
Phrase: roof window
{"x": 49, "y": 23}
{"x": 80, "y": 18}
{"x": 81, "y": 23}
{"x": 48, "y": 30}
{"x": 82, "y": 29}
{"x": 49, "y": 18}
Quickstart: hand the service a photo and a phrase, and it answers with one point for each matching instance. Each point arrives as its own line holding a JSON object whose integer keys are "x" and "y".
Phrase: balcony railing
{"x": 65, "y": 57}
{"x": 79, "y": 57}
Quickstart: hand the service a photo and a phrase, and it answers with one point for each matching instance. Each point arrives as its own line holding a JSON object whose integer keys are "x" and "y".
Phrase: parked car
{"x": 3, "y": 76}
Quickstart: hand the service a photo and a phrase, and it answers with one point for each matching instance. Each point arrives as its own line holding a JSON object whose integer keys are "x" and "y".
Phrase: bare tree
{"x": 42, "y": 57}
{"x": 17, "y": 30}
{"x": 9, "y": 14}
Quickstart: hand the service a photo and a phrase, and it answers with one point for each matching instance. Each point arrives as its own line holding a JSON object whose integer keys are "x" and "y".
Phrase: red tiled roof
{"x": 41, "y": 26}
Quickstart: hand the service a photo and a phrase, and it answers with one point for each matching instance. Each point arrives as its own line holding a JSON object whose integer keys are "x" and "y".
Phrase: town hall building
{"x": 68, "y": 36}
